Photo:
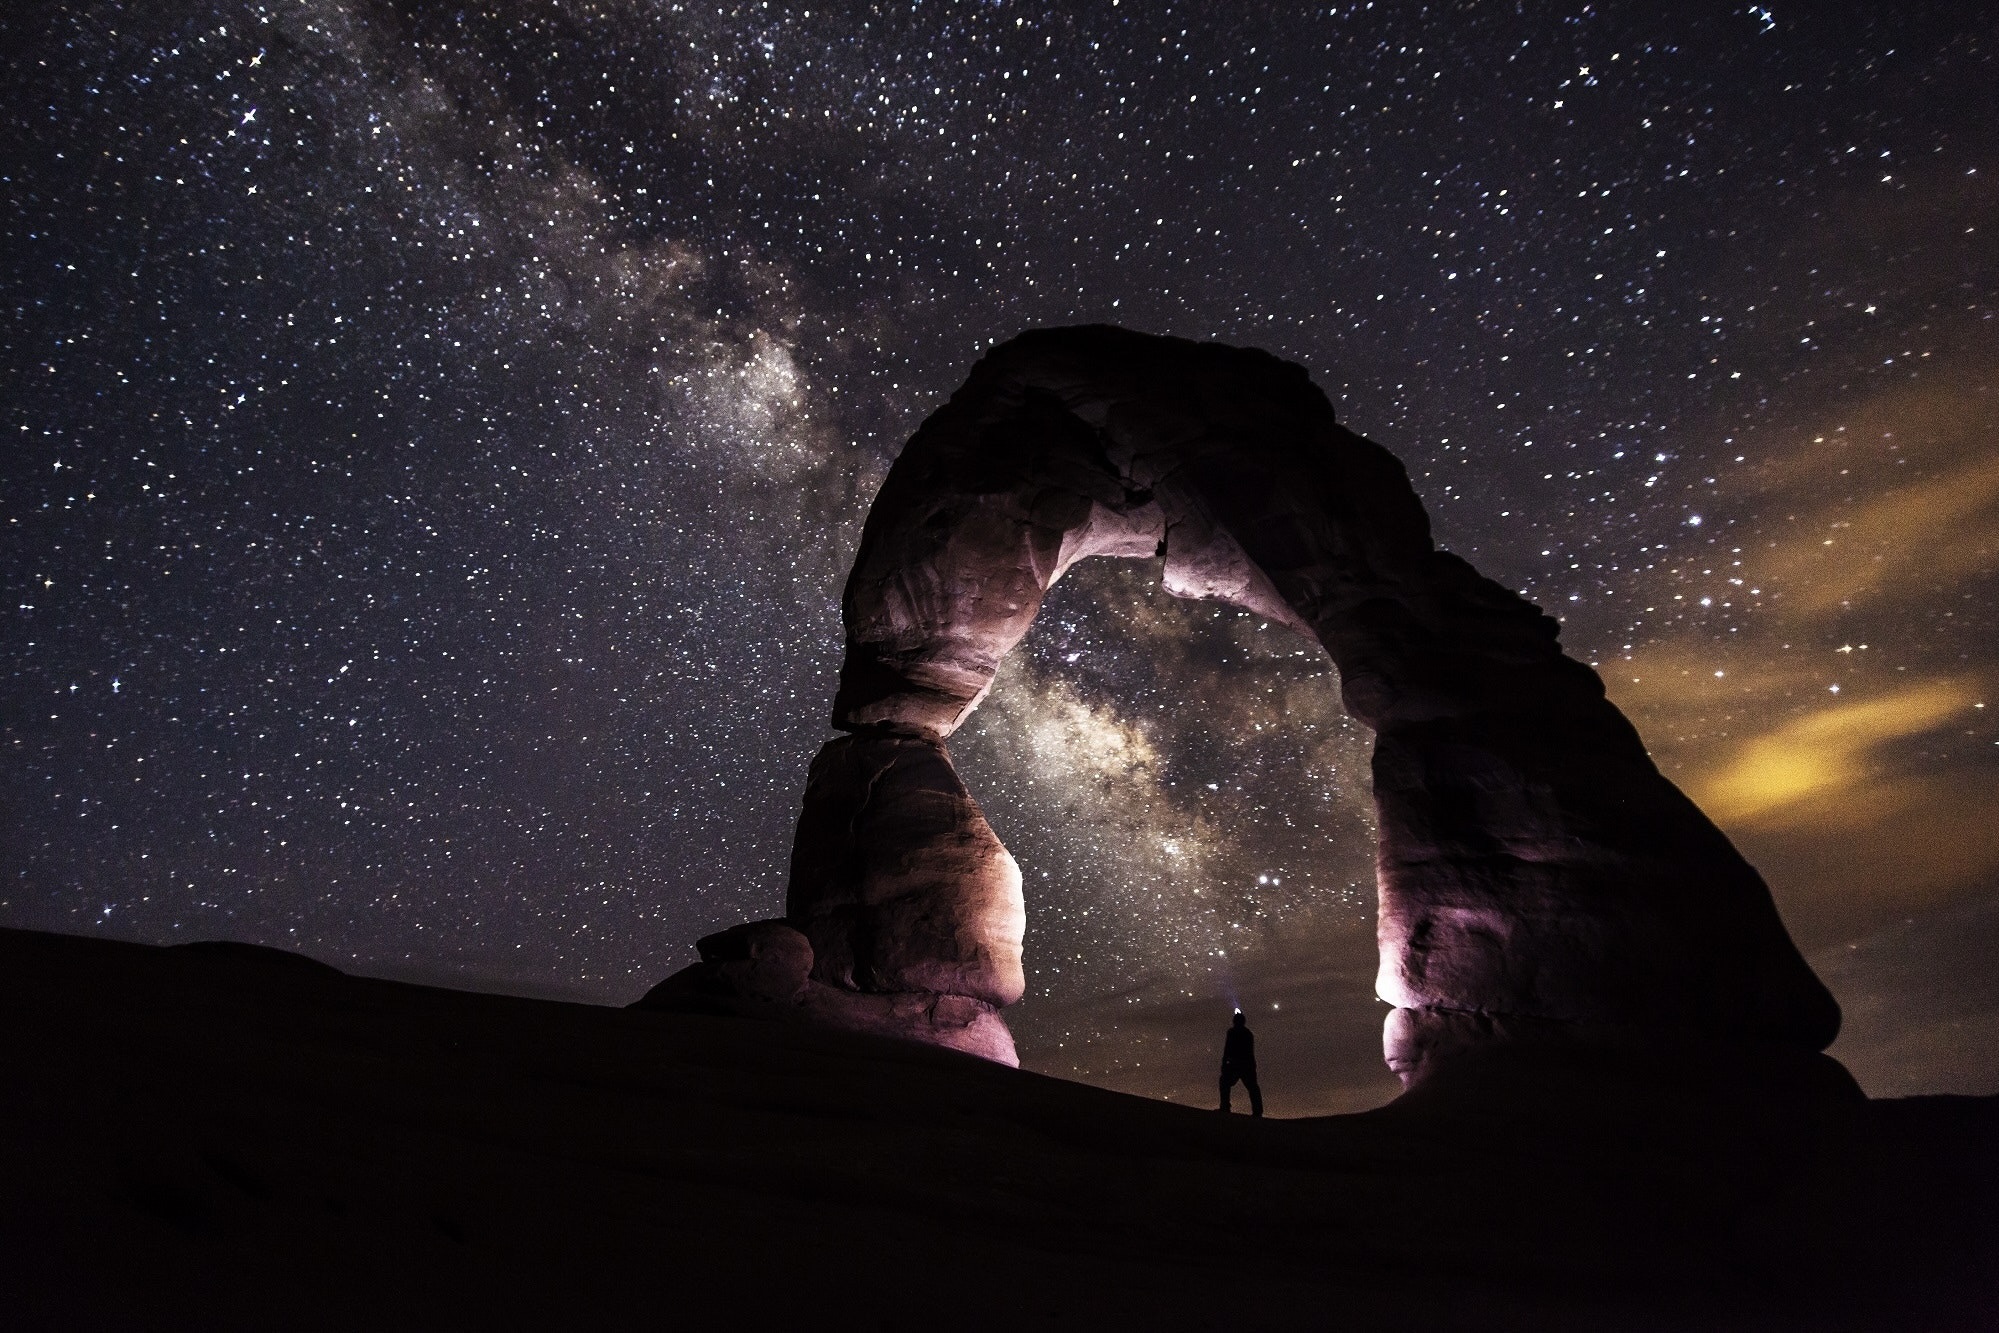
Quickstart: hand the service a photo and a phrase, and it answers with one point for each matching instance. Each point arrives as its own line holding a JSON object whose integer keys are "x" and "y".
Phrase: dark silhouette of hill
{"x": 231, "y": 1137}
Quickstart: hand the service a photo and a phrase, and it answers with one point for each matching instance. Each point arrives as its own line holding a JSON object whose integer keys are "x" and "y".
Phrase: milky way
{"x": 436, "y": 439}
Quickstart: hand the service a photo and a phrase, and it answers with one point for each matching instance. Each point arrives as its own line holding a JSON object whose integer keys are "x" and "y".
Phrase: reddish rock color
{"x": 1535, "y": 868}
{"x": 898, "y": 880}
{"x": 764, "y": 970}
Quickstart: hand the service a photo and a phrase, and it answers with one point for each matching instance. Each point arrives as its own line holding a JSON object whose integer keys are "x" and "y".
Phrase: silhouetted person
{"x": 1239, "y": 1063}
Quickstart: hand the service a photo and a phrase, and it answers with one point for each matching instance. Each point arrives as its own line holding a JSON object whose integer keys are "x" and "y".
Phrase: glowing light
{"x": 1823, "y": 752}
{"x": 1934, "y": 529}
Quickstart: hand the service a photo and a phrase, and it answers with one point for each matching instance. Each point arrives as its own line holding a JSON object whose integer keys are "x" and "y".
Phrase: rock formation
{"x": 1537, "y": 874}
{"x": 905, "y": 911}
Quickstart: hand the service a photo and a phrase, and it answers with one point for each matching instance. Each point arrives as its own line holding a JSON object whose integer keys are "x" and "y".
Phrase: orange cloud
{"x": 1895, "y": 491}
{"x": 1937, "y": 530}
{"x": 1827, "y": 755}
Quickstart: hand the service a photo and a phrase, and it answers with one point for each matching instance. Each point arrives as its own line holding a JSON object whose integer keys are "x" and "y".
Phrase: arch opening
{"x": 1534, "y": 870}
{"x": 1189, "y": 805}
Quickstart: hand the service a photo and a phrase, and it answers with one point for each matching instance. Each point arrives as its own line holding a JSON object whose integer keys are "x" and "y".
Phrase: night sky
{"x": 436, "y": 438}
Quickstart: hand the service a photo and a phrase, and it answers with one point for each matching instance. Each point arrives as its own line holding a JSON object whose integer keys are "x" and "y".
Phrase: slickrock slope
{"x": 231, "y": 1138}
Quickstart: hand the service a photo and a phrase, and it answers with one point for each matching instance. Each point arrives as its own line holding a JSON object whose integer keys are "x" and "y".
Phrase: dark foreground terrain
{"x": 221, "y": 1137}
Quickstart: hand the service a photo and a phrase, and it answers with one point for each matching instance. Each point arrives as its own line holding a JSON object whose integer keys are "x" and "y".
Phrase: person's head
{"x": 1239, "y": 1019}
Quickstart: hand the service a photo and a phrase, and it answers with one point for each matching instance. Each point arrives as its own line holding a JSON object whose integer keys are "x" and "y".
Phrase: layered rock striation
{"x": 1537, "y": 874}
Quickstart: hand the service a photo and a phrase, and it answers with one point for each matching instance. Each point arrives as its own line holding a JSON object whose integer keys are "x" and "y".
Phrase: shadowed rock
{"x": 1534, "y": 867}
{"x": 194, "y": 1143}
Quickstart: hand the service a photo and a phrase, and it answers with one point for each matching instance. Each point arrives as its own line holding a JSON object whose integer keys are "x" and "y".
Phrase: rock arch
{"x": 1536, "y": 872}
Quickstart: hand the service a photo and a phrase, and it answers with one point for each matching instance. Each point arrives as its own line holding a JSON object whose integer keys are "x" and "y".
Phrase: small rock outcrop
{"x": 764, "y": 970}
{"x": 1535, "y": 869}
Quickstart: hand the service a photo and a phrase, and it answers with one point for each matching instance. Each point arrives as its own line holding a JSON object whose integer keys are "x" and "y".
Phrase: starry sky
{"x": 436, "y": 437}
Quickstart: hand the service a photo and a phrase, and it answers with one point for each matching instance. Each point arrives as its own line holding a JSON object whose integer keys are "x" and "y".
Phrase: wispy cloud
{"x": 1825, "y": 757}
{"x": 1899, "y": 493}
{"x": 1829, "y": 712}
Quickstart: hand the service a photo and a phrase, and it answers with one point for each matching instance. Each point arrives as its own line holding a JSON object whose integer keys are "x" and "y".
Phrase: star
{"x": 485, "y": 441}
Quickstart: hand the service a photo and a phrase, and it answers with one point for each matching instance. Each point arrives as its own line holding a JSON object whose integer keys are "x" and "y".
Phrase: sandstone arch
{"x": 1535, "y": 870}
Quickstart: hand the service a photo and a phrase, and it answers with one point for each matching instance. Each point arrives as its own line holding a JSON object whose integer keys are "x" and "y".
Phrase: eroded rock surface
{"x": 764, "y": 970}
{"x": 898, "y": 880}
{"x": 1534, "y": 865}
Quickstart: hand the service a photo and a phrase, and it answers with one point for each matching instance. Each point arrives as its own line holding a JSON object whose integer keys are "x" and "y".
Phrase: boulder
{"x": 758, "y": 966}
{"x": 764, "y": 970}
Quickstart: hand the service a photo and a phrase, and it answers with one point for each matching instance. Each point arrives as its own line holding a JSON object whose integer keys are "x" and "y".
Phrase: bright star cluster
{"x": 436, "y": 437}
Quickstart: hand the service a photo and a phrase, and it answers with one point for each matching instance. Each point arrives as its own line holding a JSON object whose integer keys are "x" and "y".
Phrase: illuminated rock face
{"x": 764, "y": 970}
{"x": 897, "y": 879}
{"x": 1536, "y": 871}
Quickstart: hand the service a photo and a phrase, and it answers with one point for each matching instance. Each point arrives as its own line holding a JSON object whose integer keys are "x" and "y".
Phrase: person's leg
{"x": 1255, "y": 1094}
{"x": 1228, "y": 1081}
